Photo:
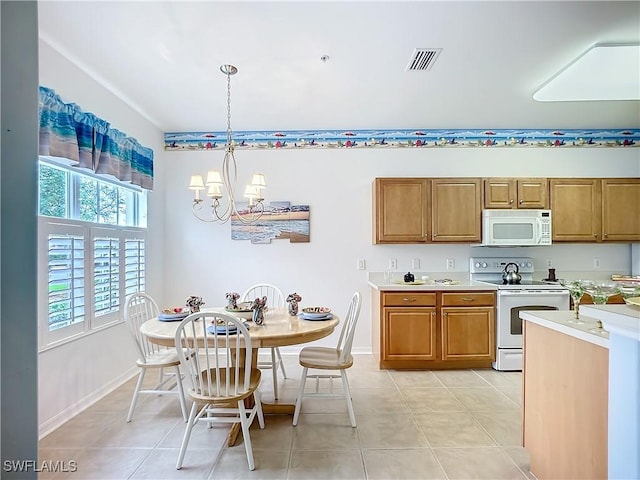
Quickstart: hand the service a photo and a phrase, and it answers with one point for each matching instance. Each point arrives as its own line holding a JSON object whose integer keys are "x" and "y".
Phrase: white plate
{"x": 316, "y": 312}
{"x": 169, "y": 317}
{"x": 323, "y": 316}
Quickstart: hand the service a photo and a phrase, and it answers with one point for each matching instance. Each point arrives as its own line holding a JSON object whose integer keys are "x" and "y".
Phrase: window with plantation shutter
{"x": 106, "y": 275}
{"x": 91, "y": 250}
{"x": 85, "y": 276}
{"x": 66, "y": 280}
{"x": 134, "y": 265}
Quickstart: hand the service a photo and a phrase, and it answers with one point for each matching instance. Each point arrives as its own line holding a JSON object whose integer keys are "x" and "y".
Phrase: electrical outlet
{"x": 415, "y": 264}
{"x": 596, "y": 263}
{"x": 393, "y": 264}
{"x": 362, "y": 264}
{"x": 549, "y": 263}
{"x": 451, "y": 264}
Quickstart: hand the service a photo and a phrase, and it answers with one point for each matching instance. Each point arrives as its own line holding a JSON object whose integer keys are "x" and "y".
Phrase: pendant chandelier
{"x": 223, "y": 186}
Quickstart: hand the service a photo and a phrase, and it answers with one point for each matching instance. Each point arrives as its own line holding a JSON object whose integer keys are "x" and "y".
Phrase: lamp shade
{"x": 196, "y": 183}
{"x": 214, "y": 191}
{"x": 214, "y": 178}
{"x": 258, "y": 181}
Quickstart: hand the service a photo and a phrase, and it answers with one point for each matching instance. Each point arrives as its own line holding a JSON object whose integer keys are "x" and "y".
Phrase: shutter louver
{"x": 65, "y": 280}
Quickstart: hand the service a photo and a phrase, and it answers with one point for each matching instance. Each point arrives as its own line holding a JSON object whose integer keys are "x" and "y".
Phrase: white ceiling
{"x": 163, "y": 58}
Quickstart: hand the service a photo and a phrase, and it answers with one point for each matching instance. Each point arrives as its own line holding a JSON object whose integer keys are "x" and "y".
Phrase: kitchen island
{"x": 565, "y": 395}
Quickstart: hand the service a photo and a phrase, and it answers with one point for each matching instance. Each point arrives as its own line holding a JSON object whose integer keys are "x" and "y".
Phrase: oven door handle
{"x": 530, "y": 291}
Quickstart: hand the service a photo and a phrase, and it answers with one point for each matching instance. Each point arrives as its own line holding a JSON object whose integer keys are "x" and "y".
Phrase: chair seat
{"x": 203, "y": 398}
{"x": 160, "y": 359}
{"x": 323, "y": 358}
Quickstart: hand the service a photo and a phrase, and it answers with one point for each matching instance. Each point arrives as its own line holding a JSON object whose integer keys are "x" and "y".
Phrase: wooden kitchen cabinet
{"x": 621, "y": 209}
{"x": 516, "y": 193}
{"x": 468, "y": 326}
{"x": 595, "y": 210}
{"x": 409, "y": 329}
{"x": 433, "y": 330}
{"x": 401, "y": 210}
{"x": 456, "y": 210}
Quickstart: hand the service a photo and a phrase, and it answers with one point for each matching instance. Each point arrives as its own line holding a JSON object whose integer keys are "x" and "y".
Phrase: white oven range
{"x": 528, "y": 294}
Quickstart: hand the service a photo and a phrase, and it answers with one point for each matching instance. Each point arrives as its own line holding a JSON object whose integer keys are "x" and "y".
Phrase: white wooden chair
{"x": 275, "y": 299}
{"x": 331, "y": 359}
{"x": 139, "y": 308}
{"x": 219, "y": 374}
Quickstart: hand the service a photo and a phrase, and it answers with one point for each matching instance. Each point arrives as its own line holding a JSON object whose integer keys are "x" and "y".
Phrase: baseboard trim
{"x": 68, "y": 413}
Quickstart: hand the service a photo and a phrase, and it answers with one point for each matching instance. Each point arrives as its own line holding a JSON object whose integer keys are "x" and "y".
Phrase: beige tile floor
{"x": 462, "y": 424}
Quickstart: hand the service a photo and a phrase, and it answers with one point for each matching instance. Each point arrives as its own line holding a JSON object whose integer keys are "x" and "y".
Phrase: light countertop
{"x": 619, "y": 319}
{"x": 563, "y": 321}
{"x": 459, "y": 282}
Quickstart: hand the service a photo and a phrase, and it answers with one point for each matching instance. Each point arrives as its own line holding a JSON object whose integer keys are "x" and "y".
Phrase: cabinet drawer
{"x": 468, "y": 299}
{"x": 408, "y": 299}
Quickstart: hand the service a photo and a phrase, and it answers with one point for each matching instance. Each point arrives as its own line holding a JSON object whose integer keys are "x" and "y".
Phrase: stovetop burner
{"x": 490, "y": 270}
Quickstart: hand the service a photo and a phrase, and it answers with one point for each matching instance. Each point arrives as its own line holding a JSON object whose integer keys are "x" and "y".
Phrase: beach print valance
{"x": 395, "y": 138}
{"x": 68, "y": 132}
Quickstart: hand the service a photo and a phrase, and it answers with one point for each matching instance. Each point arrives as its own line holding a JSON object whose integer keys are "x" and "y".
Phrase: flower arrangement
{"x": 292, "y": 300}
{"x": 232, "y": 300}
{"x": 258, "y": 306}
{"x": 194, "y": 303}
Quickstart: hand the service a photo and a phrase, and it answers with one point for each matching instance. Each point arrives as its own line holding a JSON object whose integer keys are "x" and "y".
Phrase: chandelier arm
{"x": 196, "y": 207}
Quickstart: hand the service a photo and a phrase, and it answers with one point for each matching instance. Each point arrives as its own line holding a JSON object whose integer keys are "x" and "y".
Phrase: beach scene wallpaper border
{"x": 280, "y": 221}
{"x": 415, "y": 138}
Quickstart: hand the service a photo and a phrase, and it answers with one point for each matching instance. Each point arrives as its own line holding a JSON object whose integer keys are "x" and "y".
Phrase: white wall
{"x": 74, "y": 375}
{"x": 337, "y": 184}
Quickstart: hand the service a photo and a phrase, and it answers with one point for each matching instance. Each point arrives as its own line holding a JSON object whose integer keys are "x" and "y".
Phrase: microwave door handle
{"x": 538, "y": 231}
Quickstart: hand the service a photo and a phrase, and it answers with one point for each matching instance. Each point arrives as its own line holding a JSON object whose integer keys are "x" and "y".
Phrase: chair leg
{"x": 183, "y": 403}
{"x": 284, "y": 373}
{"x": 245, "y": 433}
{"x": 134, "y": 399}
{"x": 303, "y": 381}
{"x": 187, "y": 434}
{"x": 347, "y": 394}
{"x": 274, "y": 373}
{"x": 258, "y": 407}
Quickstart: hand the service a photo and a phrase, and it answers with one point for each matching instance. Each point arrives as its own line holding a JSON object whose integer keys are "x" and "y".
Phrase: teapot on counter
{"x": 409, "y": 277}
{"x": 511, "y": 277}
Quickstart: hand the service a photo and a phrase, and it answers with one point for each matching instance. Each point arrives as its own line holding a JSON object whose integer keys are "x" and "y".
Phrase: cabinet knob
{"x": 511, "y": 201}
{"x": 520, "y": 202}
{"x": 595, "y": 235}
{"x": 606, "y": 235}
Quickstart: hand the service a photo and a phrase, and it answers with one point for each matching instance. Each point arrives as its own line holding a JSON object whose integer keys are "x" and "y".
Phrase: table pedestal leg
{"x": 267, "y": 408}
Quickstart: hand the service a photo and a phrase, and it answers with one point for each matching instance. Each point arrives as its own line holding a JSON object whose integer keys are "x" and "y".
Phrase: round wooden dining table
{"x": 278, "y": 329}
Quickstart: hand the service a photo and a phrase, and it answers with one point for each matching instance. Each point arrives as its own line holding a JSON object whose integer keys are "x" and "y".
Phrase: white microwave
{"x": 516, "y": 228}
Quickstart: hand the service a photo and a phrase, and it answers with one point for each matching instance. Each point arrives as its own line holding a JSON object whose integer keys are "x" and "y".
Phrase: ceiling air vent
{"x": 423, "y": 59}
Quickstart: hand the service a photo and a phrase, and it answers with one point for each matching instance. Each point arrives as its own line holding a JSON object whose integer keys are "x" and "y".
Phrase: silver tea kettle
{"x": 511, "y": 277}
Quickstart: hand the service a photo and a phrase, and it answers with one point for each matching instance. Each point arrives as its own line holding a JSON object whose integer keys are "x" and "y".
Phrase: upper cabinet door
{"x": 401, "y": 210}
{"x": 533, "y": 193}
{"x": 621, "y": 209}
{"x": 575, "y": 209}
{"x": 516, "y": 193}
{"x": 500, "y": 193}
{"x": 456, "y": 209}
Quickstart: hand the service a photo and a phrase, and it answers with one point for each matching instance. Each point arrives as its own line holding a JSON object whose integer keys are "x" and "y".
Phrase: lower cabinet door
{"x": 409, "y": 333}
{"x": 468, "y": 333}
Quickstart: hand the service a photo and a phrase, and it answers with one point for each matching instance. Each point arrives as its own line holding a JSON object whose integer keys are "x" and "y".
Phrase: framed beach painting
{"x": 280, "y": 220}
